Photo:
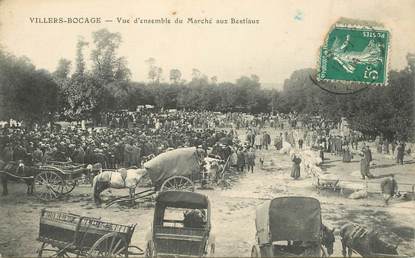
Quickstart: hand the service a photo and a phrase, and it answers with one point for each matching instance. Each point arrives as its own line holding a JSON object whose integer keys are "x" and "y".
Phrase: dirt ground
{"x": 233, "y": 210}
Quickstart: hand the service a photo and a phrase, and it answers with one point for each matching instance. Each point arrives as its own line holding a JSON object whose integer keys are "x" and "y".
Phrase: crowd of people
{"x": 114, "y": 146}
{"x": 124, "y": 139}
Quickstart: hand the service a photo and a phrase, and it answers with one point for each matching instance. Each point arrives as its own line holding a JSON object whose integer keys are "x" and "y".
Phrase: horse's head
{"x": 20, "y": 167}
{"x": 328, "y": 239}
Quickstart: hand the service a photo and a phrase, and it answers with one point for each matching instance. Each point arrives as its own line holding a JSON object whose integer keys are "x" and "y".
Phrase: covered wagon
{"x": 288, "y": 226}
{"x": 181, "y": 226}
{"x": 177, "y": 169}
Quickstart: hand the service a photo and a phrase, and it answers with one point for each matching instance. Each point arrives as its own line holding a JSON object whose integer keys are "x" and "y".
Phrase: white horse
{"x": 119, "y": 179}
{"x": 130, "y": 178}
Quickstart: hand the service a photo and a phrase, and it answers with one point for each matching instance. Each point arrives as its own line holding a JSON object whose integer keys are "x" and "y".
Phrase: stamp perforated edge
{"x": 356, "y": 25}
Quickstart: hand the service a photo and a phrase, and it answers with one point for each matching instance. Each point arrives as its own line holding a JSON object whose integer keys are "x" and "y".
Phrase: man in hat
{"x": 400, "y": 153}
{"x": 266, "y": 140}
{"x": 368, "y": 154}
{"x": 100, "y": 158}
{"x": 47, "y": 153}
{"x": 37, "y": 156}
{"x": 8, "y": 153}
{"x": 278, "y": 142}
{"x": 19, "y": 153}
{"x": 119, "y": 153}
{"x": 258, "y": 141}
{"x": 240, "y": 159}
{"x": 300, "y": 143}
{"x": 250, "y": 137}
{"x": 128, "y": 154}
{"x": 389, "y": 188}
{"x": 364, "y": 164}
{"x": 60, "y": 155}
{"x": 250, "y": 159}
{"x": 79, "y": 155}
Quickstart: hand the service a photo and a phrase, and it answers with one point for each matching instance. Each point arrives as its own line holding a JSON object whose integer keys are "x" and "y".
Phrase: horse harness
{"x": 123, "y": 173}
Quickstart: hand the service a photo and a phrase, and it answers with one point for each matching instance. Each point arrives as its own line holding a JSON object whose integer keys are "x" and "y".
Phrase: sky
{"x": 287, "y": 37}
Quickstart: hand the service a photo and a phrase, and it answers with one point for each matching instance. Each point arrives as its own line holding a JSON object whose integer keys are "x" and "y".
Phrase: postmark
{"x": 353, "y": 57}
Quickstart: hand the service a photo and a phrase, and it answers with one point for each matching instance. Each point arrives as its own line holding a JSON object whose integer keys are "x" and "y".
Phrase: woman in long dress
{"x": 295, "y": 170}
{"x": 347, "y": 155}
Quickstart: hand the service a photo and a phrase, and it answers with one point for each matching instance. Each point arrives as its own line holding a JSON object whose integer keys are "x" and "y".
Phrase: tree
{"x": 105, "y": 86}
{"x": 80, "y": 62}
{"x": 214, "y": 79}
{"x": 247, "y": 93}
{"x": 110, "y": 74}
{"x": 107, "y": 67}
{"x": 81, "y": 90}
{"x": 154, "y": 72}
{"x": 63, "y": 70}
{"x": 62, "y": 79}
{"x": 196, "y": 74}
{"x": 387, "y": 111}
{"x": 198, "y": 79}
{"x": 26, "y": 93}
{"x": 175, "y": 76}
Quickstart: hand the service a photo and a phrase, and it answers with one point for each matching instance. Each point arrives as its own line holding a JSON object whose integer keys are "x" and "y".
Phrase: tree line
{"x": 75, "y": 91}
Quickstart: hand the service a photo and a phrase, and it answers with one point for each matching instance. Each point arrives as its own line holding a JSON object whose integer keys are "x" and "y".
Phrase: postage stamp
{"x": 355, "y": 54}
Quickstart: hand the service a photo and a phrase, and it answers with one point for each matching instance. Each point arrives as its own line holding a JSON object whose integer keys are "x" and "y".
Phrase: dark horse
{"x": 365, "y": 242}
{"x": 17, "y": 170}
{"x": 327, "y": 239}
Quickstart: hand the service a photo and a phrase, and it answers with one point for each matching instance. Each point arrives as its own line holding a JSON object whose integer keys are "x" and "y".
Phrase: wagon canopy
{"x": 178, "y": 162}
{"x": 288, "y": 218}
{"x": 179, "y": 199}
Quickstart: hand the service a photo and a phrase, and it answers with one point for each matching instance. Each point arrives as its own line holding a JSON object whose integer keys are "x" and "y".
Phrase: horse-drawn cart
{"x": 47, "y": 181}
{"x": 181, "y": 226}
{"x": 290, "y": 226}
{"x": 62, "y": 234}
{"x": 177, "y": 169}
{"x": 326, "y": 182}
{"x": 174, "y": 170}
{"x": 56, "y": 179}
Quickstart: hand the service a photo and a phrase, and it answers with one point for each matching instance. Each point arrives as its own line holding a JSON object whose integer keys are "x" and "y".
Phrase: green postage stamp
{"x": 355, "y": 54}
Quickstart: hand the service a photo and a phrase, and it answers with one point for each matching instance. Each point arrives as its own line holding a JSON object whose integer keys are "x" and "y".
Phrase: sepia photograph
{"x": 207, "y": 128}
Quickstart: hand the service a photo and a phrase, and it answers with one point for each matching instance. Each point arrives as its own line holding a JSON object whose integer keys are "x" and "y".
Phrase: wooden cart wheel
{"x": 45, "y": 252}
{"x": 178, "y": 183}
{"x": 109, "y": 245}
{"x": 41, "y": 250}
{"x": 255, "y": 252}
{"x": 68, "y": 186}
{"x": 48, "y": 185}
